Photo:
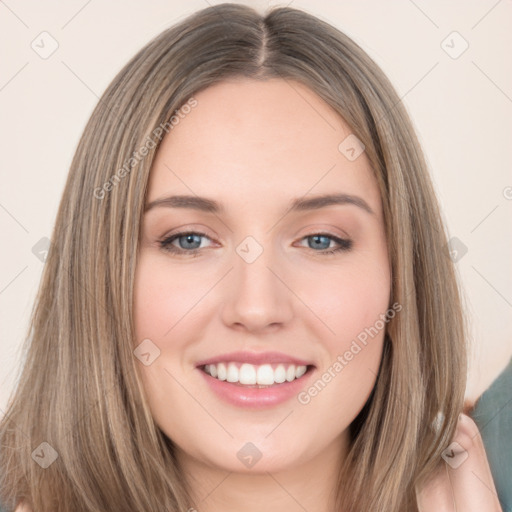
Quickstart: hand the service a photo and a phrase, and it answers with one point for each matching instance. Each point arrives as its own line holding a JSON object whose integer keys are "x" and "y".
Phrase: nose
{"x": 258, "y": 297}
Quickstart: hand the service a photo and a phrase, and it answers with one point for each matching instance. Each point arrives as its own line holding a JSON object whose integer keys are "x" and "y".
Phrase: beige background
{"x": 461, "y": 107}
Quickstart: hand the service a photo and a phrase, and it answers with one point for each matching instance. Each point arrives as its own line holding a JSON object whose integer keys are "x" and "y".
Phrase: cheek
{"x": 161, "y": 298}
{"x": 163, "y": 305}
{"x": 353, "y": 320}
{"x": 349, "y": 301}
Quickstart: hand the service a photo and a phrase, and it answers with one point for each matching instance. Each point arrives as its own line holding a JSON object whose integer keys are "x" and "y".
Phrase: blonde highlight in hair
{"x": 79, "y": 389}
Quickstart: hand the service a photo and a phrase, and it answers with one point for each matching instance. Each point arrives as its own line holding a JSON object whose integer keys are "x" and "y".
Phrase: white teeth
{"x": 265, "y": 375}
{"x": 232, "y": 374}
{"x": 249, "y": 374}
{"x": 221, "y": 371}
{"x": 300, "y": 371}
{"x": 290, "y": 373}
{"x": 280, "y": 374}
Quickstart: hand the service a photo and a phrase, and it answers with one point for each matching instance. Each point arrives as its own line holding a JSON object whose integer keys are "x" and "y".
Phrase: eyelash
{"x": 344, "y": 244}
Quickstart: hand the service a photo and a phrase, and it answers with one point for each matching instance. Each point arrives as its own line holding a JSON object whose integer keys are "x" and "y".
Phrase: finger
{"x": 437, "y": 495}
{"x": 469, "y": 471}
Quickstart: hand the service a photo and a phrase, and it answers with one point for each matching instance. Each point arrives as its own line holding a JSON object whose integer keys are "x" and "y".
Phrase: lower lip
{"x": 257, "y": 398}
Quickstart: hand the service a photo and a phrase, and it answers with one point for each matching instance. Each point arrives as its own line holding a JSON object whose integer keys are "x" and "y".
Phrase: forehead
{"x": 263, "y": 140}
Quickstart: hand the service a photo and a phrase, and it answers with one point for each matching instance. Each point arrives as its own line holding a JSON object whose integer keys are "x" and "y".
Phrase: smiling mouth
{"x": 256, "y": 376}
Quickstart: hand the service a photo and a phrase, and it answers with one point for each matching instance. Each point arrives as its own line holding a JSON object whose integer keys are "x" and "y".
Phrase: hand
{"x": 23, "y": 508}
{"x": 467, "y": 487}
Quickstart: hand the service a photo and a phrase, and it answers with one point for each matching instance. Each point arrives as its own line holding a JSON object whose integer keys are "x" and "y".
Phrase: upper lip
{"x": 256, "y": 358}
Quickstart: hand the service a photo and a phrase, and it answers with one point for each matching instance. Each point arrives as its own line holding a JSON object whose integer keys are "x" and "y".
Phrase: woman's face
{"x": 257, "y": 290}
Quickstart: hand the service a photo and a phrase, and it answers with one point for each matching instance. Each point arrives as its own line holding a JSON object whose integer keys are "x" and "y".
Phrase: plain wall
{"x": 461, "y": 107}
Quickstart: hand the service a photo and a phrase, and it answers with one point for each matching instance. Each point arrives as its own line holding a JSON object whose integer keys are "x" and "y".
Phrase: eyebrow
{"x": 300, "y": 204}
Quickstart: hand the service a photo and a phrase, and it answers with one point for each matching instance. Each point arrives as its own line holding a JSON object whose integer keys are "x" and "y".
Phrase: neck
{"x": 307, "y": 486}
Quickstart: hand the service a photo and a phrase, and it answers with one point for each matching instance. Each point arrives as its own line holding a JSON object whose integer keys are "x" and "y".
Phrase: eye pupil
{"x": 318, "y": 243}
{"x": 190, "y": 243}
{"x": 190, "y": 240}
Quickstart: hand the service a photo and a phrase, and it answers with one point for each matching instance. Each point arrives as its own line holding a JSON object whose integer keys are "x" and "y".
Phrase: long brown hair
{"x": 79, "y": 390}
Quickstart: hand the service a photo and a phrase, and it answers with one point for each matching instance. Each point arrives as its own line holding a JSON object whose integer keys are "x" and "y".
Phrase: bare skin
{"x": 468, "y": 487}
{"x": 253, "y": 147}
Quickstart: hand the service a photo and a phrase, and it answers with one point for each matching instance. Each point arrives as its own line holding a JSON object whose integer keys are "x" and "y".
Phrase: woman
{"x": 248, "y": 301}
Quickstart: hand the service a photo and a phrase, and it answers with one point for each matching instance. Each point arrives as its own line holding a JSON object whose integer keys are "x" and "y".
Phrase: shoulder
{"x": 494, "y": 419}
{"x": 464, "y": 477}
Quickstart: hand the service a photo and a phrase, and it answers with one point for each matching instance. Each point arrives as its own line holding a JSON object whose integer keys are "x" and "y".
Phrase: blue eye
{"x": 189, "y": 243}
{"x": 320, "y": 239}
